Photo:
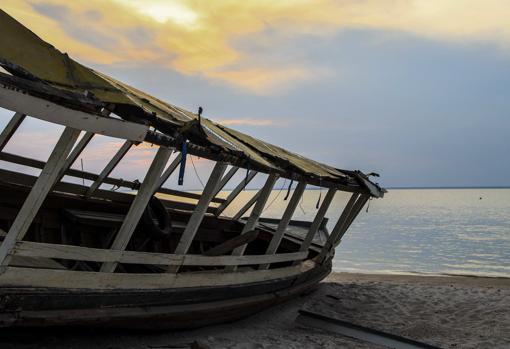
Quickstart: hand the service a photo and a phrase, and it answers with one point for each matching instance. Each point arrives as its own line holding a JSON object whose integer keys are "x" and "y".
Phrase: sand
{"x": 449, "y": 312}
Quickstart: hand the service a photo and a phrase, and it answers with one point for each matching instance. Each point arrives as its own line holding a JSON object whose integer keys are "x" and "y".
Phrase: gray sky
{"x": 421, "y": 109}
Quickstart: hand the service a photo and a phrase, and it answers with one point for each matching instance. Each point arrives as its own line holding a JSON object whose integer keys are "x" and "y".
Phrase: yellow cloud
{"x": 197, "y": 37}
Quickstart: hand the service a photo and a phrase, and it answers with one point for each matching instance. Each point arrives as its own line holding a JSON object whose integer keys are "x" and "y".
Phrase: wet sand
{"x": 449, "y": 312}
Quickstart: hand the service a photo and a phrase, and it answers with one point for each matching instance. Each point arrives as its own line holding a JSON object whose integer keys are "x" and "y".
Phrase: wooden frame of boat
{"x": 216, "y": 268}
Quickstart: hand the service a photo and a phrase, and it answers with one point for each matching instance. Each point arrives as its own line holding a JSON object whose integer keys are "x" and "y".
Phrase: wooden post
{"x": 226, "y": 178}
{"x": 247, "y": 206}
{"x": 40, "y": 190}
{"x": 350, "y": 212}
{"x": 109, "y": 167}
{"x": 10, "y": 129}
{"x": 235, "y": 193}
{"x": 284, "y": 222}
{"x": 139, "y": 204}
{"x": 84, "y": 141}
{"x": 198, "y": 214}
{"x": 168, "y": 172}
{"x": 319, "y": 217}
{"x": 255, "y": 214}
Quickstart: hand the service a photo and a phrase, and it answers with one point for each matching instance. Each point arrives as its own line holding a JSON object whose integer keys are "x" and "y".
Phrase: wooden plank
{"x": 77, "y": 150}
{"x": 26, "y": 277}
{"x": 139, "y": 204}
{"x": 10, "y": 129}
{"x": 230, "y": 244}
{"x": 284, "y": 222}
{"x": 246, "y": 206}
{"x": 234, "y": 193}
{"x": 52, "y": 112}
{"x": 39, "y": 191}
{"x": 21, "y": 160}
{"x": 226, "y": 178}
{"x": 109, "y": 167}
{"x": 45, "y": 250}
{"x": 255, "y": 213}
{"x": 168, "y": 172}
{"x": 355, "y": 204}
{"x": 319, "y": 217}
{"x": 200, "y": 210}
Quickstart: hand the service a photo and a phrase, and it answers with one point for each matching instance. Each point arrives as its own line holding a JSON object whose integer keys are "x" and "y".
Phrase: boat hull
{"x": 182, "y": 308}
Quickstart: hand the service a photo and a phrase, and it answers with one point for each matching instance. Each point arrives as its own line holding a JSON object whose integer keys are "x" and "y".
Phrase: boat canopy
{"x": 39, "y": 69}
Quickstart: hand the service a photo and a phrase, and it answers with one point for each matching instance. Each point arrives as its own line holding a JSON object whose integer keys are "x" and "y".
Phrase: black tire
{"x": 156, "y": 220}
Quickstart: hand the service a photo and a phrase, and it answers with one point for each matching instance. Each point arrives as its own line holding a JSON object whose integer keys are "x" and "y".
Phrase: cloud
{"x": 199, "y": 37}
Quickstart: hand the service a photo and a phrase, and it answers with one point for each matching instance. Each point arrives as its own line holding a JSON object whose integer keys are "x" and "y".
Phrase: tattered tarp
{"x": 25, "y": 55}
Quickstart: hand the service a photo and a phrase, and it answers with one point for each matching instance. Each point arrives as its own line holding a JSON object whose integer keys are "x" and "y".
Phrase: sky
{"x": 416, "y": 90}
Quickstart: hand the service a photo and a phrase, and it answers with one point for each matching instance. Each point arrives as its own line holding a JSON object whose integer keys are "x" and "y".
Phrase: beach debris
{"x": 348, "y": 329}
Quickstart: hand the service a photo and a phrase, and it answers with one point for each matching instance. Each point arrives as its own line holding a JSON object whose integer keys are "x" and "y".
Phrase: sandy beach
{"x": 449, "y": 312}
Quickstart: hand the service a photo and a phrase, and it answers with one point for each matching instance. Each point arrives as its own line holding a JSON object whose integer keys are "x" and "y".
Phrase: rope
{"x": 196, "y": 172}
{"x": 276, "y": 197}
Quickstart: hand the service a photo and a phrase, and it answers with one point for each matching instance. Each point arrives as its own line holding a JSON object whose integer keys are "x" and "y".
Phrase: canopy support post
{"x": 226, "y": 178}
{"x": 10, "y": 129}
{"x": 37, "y": 195}
{"x": 84, "y": 141}
{"x": 284, "y": 222}
{"x": 319, "y": 217}
{"x": 168, "y": 172}
{"x": 198, "y": 214}
{"x": 350, "y": 212}
{"x": 139, "y": 204}
{"x": 255, "y": 214}
{"x": 237, "y": 190}
{"x": 247, "y": 206}
{"x": 109, "y": 167}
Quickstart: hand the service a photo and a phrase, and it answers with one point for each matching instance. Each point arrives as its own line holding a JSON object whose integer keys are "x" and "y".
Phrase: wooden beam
{"x": 21, "y": 160}
{"x": 351, "y": 210}
{"x": 45, "y": 110}
{"x": 79, "y": 253}
{"x": 168, "y": 172}
{"x": 77, "y": 150}
{"x": 139, "y": 204}
{"x": 196, "y": 218}
{"x": 109, "y": 167}
{"x": 10, "y": 129}
{"x": 319, "y": 217}
{"x": 26, "y": 277}
{"x": 230, "y": 244}
{"x": 40, "y": 190}
{"x": 265, "y": 192}
{"x": 237, "y": 190}
{"x": 284, "y": 222}
{"x": 226, "y": 178}
{"x": 246, "y": 206}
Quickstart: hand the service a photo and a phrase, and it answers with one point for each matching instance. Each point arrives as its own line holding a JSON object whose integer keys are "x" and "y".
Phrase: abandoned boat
{"x": 150, "y": 257}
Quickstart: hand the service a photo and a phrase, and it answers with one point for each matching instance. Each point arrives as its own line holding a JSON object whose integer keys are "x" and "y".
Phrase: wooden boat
{"x": 81, "y": 255}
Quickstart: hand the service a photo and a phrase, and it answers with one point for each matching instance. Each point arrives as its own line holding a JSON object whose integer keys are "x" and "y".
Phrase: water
{"x": 440, "y": 231}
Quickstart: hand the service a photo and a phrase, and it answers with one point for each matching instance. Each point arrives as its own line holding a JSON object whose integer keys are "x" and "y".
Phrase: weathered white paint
{"x": 45, "y": 250}
{"x": 255, "y": 213}
{"x": 319, "y": 217}
{"x": 39, "y": 108}
{"x": 226, "y": 178}
{"x": 109, "y": 167}
{"x": 10, "y": 129}
{"x": 284, "y": 222}
{"x": 246, "y": 206}
{"x": 77, "y": 150}
{"x": 168, "y": 172}
{"x": 40, "y": 190}
{"x": 234, "y": 193}
{"x": 27, "y": 277}
{"x": 198, "y": 214}
{"x": 139, "y": 204}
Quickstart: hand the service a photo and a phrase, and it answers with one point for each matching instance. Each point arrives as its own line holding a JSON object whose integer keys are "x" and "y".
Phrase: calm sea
{"x": 440, "y": 231}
